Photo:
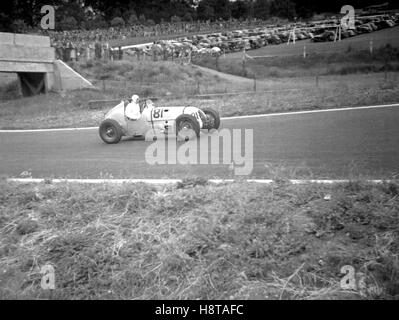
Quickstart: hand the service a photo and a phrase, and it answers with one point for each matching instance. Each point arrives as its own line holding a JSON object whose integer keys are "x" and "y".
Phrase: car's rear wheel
{"x": 187, "y": 127}
{"x": 213, "y": 119}
{"x": 110, "y": 131}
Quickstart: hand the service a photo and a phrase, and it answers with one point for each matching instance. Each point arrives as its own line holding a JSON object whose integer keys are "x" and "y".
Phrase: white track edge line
{"x": 224, "y": 118}
{"x": 174, "y": 181}
{"x": 311, "y": 111}
{"x": 47, "y": 130}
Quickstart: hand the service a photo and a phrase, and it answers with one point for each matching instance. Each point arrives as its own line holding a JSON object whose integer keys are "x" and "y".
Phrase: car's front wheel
{"x": 213, "y": 119}
{"x": 110, "y": 131}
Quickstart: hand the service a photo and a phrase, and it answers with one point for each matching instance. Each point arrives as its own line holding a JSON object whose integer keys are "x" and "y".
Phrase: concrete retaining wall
{"x": 27, "y": 40}
{"x": 31, "y": 40}
{"x": 33, "y": 59}
{"x": 6, "y": 38}
{"x": 68, "y": 78}
{"x": 26, "y": 54}
{"x": 18, "y": 66}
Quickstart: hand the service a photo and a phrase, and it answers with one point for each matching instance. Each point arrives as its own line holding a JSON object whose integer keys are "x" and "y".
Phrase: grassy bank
{"x": 52, "y": 111}
{"x": 146, "y": 78}
{"x": 9, "y": 86}
{"x": 122, "y": 79}
{"x": 72, "y": 110}
{"x": 295, "y": 94}
{"x": 199, "y": 241}
{"x": 338, "y": 63}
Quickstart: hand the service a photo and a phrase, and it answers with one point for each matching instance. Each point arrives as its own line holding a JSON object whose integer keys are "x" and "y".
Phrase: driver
{"x": 132, "y": 111}
{"x": 149, "y": 106}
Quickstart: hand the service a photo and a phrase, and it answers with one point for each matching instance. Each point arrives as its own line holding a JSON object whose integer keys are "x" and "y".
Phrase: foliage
{"x": 117, "y": 22}
{"x": 67, "y": 23}
{"x": 159, "y": 10}
{"x": 283, "y": 8}
{"x": 133, "y": 19}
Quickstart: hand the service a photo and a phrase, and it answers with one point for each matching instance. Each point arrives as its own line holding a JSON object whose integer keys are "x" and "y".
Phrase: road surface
{"x": 323, "y": 145}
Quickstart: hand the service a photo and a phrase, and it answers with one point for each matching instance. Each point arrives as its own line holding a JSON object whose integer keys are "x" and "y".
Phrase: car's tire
{"x": 214, "y": 117}
{"x": 110, "y": 131}
{"x": 187, "y": 121}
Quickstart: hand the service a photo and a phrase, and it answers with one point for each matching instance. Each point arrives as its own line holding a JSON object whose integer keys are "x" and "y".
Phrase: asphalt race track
{"x": 325, "y": 145}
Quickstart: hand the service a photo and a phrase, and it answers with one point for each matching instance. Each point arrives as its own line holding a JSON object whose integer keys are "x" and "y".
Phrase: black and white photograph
{"x": 216, "y": 151}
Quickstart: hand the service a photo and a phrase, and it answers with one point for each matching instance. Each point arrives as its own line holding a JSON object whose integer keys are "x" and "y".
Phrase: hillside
{"x": 351, "y": 56}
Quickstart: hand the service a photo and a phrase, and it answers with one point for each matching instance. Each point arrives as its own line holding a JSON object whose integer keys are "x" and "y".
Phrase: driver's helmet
{"x": 149, "y": 104}
{"x": 135, "y": 98}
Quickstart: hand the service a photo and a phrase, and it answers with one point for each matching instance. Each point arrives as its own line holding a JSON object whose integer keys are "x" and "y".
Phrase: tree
{"x": 188, "y": 17}
{"x": 133, "y": 19}
{"x": 97, "y": 22}
{"x": 262, "y": 9}
{"x": 205, "y": 12}
{"x": 239, "y": 9}
{"x": 85, "y": 12}
{"x": 181, "y": 8}
{"x": 72, "y": 9}
{"x": 19, "y": 26}
{"x": 142, "y": 19}
{"x": 213, "y": 9}
{"x": 283, "y": 9}
{"x": 67, "y": 23}
{"x": 117, "y": 22}
{"x": 223, "y": 9}
{"x": 175, "y": 19}
{"x": 150, "y": 22}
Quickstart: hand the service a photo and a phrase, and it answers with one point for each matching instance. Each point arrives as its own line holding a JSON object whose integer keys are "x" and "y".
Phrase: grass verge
{"x": 146, "y": 78}
{"x": 344, "y": 62}
{"x": 307, "y": 93}
{"x": 199, "y": 241}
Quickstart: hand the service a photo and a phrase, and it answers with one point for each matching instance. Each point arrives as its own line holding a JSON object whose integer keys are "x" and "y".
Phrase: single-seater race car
{"x": 176, "y": 120}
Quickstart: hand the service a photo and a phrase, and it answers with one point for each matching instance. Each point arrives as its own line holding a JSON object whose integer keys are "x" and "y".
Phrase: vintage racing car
{"x": 154, "y": 121}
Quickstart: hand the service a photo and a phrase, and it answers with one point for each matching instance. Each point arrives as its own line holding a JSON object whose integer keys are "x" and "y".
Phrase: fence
{"x": 202, "y": 92}
{"x": 304, "y": 49}
{"x": 164, "y": 89}
{"x": 126, "y": 88}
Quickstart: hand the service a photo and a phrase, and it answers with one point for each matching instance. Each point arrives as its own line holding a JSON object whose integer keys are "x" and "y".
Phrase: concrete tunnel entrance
{"x": 32, "y": 58}
{"x": 32, "y": 83}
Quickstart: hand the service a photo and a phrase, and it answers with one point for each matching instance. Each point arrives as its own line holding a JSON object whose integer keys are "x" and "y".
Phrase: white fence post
{"x": 336, "y": 34}
{"x": 293, "y": 35}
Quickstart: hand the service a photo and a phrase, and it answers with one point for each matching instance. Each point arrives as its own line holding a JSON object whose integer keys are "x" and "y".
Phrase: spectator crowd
{"x": 199, "y": 38}
{"x": 74, "y": 45}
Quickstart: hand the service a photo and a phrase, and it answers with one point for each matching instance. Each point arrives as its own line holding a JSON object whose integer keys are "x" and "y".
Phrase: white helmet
{"x": 135, "y": 98}
{"x": 149, "y": 103}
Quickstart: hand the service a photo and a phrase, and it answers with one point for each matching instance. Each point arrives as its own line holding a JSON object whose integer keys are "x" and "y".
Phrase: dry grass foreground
{"x": 199, "y": 241}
